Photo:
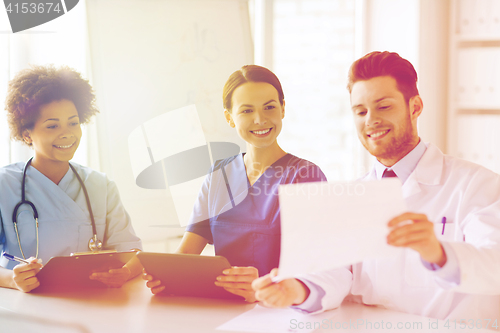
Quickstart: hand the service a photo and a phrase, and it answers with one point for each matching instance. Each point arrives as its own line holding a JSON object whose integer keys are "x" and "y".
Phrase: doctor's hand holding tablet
{"x": 237, "y": 208}
{"x": 51, "y": 207}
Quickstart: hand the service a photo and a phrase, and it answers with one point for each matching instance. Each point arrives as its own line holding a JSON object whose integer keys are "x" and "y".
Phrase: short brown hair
{"x": 376, "y": 64}
{"x": 249, "y": 73}
{"x": 40, "y": 85}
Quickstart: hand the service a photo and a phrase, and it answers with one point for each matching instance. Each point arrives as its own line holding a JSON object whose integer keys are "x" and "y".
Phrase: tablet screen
{"x": 187, "y": 274}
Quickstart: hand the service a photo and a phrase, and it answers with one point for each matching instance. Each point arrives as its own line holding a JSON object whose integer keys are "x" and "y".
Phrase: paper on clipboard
{"x": 330, "y": 225}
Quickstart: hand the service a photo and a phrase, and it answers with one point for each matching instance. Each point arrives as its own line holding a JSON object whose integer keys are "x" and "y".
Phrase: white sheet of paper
{"x": 330, "y": 225}
{"x": 266, "y": 320}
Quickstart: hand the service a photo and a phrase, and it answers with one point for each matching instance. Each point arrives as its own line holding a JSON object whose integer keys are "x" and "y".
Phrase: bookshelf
{"x": 474, "y": 77}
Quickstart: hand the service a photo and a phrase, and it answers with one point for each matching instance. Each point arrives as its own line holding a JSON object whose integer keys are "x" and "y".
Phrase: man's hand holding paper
{"x": 330, "y": 225}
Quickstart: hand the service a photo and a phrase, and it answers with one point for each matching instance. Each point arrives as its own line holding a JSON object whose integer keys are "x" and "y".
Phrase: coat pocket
{"x": 416, "y": 274}
{"x": 445, "y": 231}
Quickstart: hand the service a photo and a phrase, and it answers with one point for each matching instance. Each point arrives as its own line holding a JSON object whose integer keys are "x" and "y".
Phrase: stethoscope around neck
{"x": 94, "y": 243}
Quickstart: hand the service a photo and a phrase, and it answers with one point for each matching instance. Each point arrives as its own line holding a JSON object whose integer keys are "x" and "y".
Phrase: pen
{"x": 443, "y": 221}
{"x": 14, "y": 258}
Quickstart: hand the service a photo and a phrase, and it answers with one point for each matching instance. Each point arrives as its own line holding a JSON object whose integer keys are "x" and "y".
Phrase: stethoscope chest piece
{"x": 95, "y": 244}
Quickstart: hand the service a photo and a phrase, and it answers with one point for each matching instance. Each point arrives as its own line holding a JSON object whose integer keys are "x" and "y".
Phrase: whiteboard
{"x": 150, "y": 57}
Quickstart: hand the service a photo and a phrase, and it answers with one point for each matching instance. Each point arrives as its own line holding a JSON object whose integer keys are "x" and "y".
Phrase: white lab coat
{"x": 468, "y": 195}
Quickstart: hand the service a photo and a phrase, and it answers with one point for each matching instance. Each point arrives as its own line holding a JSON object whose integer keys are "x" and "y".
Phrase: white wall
{"x": 393, "y": 25}
{"x": 153, "y": 57}
{"x": 433, "y": 70}
{"x": 418, "y": 31}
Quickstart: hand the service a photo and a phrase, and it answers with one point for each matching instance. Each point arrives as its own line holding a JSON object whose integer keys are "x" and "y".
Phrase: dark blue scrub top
{"x": 243, "y": 221}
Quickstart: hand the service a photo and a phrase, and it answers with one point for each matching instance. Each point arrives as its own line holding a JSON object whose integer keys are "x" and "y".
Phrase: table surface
{"x": 133, "y": 308}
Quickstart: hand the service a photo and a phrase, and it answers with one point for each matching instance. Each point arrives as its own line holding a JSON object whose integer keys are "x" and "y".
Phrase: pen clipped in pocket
{"x": 445, "y": 229}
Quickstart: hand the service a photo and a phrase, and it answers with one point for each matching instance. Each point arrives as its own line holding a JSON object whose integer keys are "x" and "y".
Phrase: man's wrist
{"x": 439, "y": 260}
{"x": 443, "y": 258}
{"x": 303, "y": 293}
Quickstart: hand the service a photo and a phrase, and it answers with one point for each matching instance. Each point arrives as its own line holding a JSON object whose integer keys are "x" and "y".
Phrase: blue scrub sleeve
{"x": 4, "y": 262}
{"x": 202, "y": 229}
{"x": 197, "y": 223}
{"x": 2, "y": 235}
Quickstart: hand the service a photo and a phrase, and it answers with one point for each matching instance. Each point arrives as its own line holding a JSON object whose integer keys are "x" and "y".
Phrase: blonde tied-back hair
{"x": 249, "y": 73}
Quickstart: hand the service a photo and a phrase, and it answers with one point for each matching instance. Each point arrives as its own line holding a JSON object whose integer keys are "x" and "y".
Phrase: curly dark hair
{"x": 39, "y": 85}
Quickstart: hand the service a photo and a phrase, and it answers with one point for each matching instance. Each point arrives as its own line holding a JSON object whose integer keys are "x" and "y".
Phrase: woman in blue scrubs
{"x": 237, "y": 208}
{"x": 45, "y": 108}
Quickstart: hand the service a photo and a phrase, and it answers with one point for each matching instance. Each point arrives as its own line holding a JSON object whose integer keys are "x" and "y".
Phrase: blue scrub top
{"x": 64, "y": 219}
{"x": 243, "y": 221}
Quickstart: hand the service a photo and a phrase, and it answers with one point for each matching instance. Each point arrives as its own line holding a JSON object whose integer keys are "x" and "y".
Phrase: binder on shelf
{"x": 481, "y": 18}
{"x": 478, "y": 84}
{"x": 494, "y": 18}
{"x": 466, "y": 68}
{"x": 493, "y": 76}
{"x": 478, "y": 19}
{"x": 466, "y": 17}
{"x": 478, "y": 140}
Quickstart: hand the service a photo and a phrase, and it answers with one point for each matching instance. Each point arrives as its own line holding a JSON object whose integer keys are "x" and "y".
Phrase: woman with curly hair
{"x": 73, "y": 207}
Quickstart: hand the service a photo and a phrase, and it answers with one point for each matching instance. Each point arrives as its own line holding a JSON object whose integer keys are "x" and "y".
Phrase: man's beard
{"x": 397, "y": 146}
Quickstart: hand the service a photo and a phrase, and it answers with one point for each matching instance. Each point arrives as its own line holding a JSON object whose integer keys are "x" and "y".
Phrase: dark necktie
{"x": 388, "y": 173}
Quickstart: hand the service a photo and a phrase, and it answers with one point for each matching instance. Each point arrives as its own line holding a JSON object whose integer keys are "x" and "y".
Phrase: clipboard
{"x": 187, "y": 274}
{"x": 72, "y": 272}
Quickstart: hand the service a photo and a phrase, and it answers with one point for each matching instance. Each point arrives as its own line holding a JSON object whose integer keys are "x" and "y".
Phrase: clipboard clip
{"x": 91, "y": 252}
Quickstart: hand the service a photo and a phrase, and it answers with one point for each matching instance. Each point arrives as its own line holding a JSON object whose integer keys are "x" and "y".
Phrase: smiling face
{"x": 56, "y": 133}
{"x": 256, "y": 114}
{"x": 386, "y": 124}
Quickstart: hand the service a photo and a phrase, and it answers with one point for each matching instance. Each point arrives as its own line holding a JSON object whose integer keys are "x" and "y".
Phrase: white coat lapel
{"x": 370, "y": 175}
{"x": 411, "y": 186}
{"x": 429, "y": 171}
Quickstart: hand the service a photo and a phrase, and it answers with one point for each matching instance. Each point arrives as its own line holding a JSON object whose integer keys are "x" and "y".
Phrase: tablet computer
{"x": 73, "y": 271}
{"x": 187, "y": 274}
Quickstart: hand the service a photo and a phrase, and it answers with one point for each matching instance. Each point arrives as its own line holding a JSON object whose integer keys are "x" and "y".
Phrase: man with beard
{"x": 450, "y": 268}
